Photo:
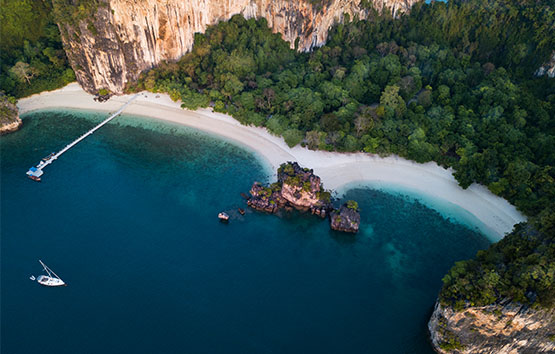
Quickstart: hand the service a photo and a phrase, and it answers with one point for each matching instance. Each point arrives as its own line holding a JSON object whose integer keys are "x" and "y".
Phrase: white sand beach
{"x": 336, "y": 169}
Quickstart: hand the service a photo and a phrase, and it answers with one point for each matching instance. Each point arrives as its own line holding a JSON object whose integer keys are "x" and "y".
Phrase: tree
{"x": 23, "y": 71}
{"x": 362, "y": 122}
{"x": 312, "y": 139}
{"x": 393, "y": 103}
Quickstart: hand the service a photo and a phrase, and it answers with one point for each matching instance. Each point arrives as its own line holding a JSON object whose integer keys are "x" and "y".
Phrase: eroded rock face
{"x": 9, "y": 116}
{"x": 296, "y": 187}
{"x": 345, "y": 219}
{"x": 504, "y": 328}
{"x": 300, "y": 186}
{"x": 134, "y": 35}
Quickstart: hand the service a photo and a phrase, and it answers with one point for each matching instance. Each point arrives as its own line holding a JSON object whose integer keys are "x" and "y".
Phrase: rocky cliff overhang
{"x": 122, "y": 38}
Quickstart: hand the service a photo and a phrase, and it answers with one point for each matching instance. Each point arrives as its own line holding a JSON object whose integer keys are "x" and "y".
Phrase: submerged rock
{"x": 347, "y": 218}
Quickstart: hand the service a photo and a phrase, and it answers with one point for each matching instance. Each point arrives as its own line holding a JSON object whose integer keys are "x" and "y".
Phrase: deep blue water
{"x": 128, "y": 219}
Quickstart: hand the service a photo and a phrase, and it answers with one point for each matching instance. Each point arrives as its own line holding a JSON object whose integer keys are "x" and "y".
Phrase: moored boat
{"x": 48, "y": 157}
{"x": 223, "y": 216}
{"x": 35, "y": 173}
{"x": 51, "y": 279}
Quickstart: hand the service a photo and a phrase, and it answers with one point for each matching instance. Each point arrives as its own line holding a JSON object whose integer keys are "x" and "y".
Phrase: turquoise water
{"x": 128, "y": 219}
{"x": 446, "y": 209}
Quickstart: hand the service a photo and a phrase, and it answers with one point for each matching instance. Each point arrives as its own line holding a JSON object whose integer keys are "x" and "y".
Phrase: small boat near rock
{"x": 223, "y": 216}
{"x": 51, "y": 279}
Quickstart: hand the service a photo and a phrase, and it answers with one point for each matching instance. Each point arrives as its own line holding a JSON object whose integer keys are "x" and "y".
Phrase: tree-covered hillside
{"x": 452, "y": 83}
{"x": 32, "y": 58}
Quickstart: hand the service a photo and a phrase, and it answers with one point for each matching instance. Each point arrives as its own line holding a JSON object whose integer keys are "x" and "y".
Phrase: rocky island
{"x": 9, "y": 116}
{"x": 299, "y": 188}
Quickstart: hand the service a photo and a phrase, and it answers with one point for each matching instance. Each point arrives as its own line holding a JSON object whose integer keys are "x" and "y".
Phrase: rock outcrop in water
{"x": 9, "y": 116}
{"x": 112, "y": 43}
{"x": 503, "y": 328}
{"x": 346, "y": 219}
{"x": 299, "y": 188}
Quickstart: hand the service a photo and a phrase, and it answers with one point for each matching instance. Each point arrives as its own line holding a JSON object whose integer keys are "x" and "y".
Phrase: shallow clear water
{"x": 128, "y": 219}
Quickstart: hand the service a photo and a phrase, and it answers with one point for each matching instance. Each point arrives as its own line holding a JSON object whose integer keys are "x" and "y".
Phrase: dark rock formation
{"x": 346, "y": 219}
{"x": 299, "y": 188}
{"x": 102, "y": 98}
{"x": 9, "y": 116}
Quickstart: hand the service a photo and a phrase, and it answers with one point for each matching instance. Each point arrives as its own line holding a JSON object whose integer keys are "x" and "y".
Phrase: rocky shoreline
{"x": 9, "y": 116}
{"x": 502, "y": 328}
{"x": 299, "y": 188}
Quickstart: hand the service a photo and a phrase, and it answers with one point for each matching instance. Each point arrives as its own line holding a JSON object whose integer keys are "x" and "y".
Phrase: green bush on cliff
{"x": 286, "y": 168}
{"x": 275, "y": 187}
{"x": 324, "y": 196}
{"x": 351, "y": 204}
{"x": 293, "y": 181}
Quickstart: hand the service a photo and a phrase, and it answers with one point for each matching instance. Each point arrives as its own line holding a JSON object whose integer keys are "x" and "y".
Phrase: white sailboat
{"x": 51, "y": 279}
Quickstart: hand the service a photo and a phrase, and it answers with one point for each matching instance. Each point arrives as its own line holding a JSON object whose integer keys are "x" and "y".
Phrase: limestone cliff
{"x": 504, "y": 328}
{"x": 120, "y": 38}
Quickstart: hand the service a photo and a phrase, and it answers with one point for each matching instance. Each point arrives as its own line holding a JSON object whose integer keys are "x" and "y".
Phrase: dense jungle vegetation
{"x": 32, "y": 58}
{"x": 452, "y": 83}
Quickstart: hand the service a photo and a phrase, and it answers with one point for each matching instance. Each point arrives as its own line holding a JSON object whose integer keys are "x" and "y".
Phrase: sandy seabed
{"x": 496, "y": 216}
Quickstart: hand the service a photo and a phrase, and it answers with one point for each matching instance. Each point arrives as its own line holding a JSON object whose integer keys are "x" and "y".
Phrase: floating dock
{"x": 35, "y": 172}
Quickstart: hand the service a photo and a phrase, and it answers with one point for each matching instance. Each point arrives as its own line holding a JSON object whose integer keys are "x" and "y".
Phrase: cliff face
{"x": 504, "y": 328}
{"x": 131, "y": 36}
{"x": 9, "y": 116}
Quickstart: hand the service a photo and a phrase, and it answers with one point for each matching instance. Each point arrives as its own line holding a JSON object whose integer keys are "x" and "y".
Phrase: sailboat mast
{"x": 48, "y": 270}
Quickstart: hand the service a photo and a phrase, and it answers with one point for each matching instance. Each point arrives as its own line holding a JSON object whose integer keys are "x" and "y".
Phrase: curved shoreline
{"x": 335, "y": 169}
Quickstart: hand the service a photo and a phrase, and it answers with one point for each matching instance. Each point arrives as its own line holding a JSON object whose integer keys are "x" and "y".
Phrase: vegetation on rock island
{"x": 299, "y": 188}
{"x": 452, "y": 83}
